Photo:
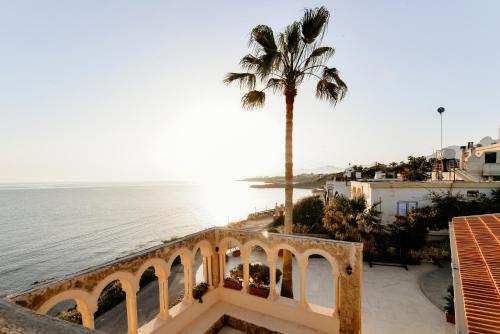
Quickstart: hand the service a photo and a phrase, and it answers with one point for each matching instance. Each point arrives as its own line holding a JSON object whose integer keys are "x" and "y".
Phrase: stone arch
{"x": 247, "y": 247}
{"x": 82, "y": 299}
{"x": 297, "y": 255}
{"x": 223, "y": 244}
{"x": 205, "y": 248}
{"x": 161, "y": 268}
{"x": 326, "y": 255}
{"x": 185, "y": 255}
{"x": 129, "y": 284}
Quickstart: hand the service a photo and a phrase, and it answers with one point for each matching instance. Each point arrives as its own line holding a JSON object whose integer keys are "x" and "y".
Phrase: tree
{"x": 350, "y": 219}
{"x": 281, "y": 62}
{"x": 309, "y": 212}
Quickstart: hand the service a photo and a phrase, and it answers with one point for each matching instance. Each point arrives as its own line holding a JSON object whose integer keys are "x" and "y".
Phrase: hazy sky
{"x": 132, "y": 90}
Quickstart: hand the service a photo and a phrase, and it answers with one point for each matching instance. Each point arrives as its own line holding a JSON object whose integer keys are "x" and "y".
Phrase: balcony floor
{"x": 201, "y": 324}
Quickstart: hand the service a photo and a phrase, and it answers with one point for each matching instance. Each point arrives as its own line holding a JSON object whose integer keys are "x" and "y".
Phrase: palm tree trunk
{"x": 287, "y": 283}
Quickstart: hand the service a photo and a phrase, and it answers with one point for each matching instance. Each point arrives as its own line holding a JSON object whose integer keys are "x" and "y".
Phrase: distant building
{"x": 400, "y": 197}
{"x": 479, "y": 162}
{"x": 476, "y": 273}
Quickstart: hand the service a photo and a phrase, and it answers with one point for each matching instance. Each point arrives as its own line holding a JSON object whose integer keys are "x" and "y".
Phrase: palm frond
{"x": 244, "y": 79}
{"x": 319, "y": 56}
{"x": 253, "y": 99}
{"x": 250, "y": 62}
{"x": 263, "y": 36}
{"x": 267, "y": 64}
{"x": 314, "y": 23}
{"x": 292, "y": 37}
{"x": 332, "y": 74}
{"x": 275, "y": 84}
{"x": 327, "y": 91}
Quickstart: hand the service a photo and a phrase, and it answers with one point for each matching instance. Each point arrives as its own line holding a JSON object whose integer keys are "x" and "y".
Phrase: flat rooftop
{"x": 477, "y": 242}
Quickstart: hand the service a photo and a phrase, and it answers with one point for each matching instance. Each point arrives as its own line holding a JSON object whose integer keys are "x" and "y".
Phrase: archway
{"x": 320, "y": 288}
{"x": 66, "y": 310}
{"x": 148, "y": 301}
{"x": 295, "y": 273}
{"x": 111, "y": 314}
{"x": 176, "y": 282}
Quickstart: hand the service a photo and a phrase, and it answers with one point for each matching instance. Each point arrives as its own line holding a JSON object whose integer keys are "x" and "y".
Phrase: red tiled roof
{"x": 478, "y": 247}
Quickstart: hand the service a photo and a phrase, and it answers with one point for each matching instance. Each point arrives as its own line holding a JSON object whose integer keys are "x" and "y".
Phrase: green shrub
{"x": 111, "y": 296}
{"x": 259, "y": 273}
{"x": 71, "y": 315}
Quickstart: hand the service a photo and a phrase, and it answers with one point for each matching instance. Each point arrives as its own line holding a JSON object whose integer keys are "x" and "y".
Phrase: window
{"x": 490, "y": 157}
{"x": 404, "y": 207}
{"x": 472, "y": 193}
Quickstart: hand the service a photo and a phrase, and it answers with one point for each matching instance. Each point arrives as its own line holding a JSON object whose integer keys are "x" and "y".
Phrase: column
{"x": 188, "y": 297}
{"x": 87, "y": 314}
{"x": 337, "y": 302}
{"x": 246, "y": 270}
{"x": 209, "y": 265}
{"x": 205, "y": 269}
{"x": 163, "y": 289}
{"x": 222, "y": 263}
{"x": 272, "y": 277}
{"x": 303, "y": 282}
{"x": 131, "y": 302}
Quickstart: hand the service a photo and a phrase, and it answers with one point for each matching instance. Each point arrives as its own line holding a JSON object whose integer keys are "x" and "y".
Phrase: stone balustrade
{"x": 344, "y": 258}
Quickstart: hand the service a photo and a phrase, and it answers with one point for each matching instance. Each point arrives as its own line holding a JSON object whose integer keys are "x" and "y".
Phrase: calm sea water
{"x": 52, "y": 230}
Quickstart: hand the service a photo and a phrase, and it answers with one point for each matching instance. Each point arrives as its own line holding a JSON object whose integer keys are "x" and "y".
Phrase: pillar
{"x": 272, "y": 277}
{"x": 87, "y": 313}
{"x": 163, "y": 290}
{"x": 188, "y": 279}
{"x": 303, "y": 282}
{"x": 222, "y": 262}
{"x": 209, "y": 271}
{"x": 131, "y": 303}
{"x": 246, "y": 270}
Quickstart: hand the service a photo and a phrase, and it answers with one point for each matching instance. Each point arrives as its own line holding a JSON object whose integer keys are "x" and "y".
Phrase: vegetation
{"x": 259, "y": 274}
{"x": 147, "y": 277}
{"x": 281, "y": 62}
{"x": 111, "y": 296}
{"x": 199, "y": 290}
{"x": 450, "y": 301}
{"x": 350, "y": 219}
{"x": 307, "y": 216}
{"x": 71, "y": 315}
{"x": 415, "y": 169}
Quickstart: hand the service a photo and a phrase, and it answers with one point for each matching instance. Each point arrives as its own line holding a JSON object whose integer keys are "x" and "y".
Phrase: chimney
{"x": 462, "y": 157}
{"x": 470, "y": 145}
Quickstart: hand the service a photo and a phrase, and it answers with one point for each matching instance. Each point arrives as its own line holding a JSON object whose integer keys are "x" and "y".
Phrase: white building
{"x": 399, "y": 197}
{"x": 479, "y": 162}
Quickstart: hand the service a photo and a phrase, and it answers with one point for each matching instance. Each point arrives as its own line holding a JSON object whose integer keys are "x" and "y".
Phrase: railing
{"x": 344, "y": 258}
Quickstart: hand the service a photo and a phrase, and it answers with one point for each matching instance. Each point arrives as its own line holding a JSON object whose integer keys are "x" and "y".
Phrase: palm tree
{"x": 281, "y": 62}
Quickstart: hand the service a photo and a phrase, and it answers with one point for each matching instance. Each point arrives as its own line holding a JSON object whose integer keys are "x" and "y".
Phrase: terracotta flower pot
{"x": 260, "y": 292}
{"x": 232, "y": 285}
{"x": 237, "y": 253}
{"x": 450, "y": 318}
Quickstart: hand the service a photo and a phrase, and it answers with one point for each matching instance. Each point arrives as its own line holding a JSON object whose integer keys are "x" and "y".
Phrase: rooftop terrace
{"x": 222, "y": 306}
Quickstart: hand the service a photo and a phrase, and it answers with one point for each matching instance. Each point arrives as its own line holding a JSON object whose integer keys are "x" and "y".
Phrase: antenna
{"x": 440, "y": 110}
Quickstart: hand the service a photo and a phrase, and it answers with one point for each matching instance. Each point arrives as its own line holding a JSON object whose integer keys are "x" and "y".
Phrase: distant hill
{"x": 302, "y": 181}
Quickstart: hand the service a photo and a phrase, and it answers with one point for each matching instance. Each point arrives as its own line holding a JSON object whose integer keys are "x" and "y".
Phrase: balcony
{"x": 221, "y": 306}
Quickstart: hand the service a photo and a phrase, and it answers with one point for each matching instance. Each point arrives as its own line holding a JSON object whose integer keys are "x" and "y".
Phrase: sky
{"x": 102, "y": 90}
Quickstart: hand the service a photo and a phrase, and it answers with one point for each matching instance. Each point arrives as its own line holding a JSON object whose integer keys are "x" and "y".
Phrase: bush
{"x": 147, "y": 277}
{"x": 71, "y": 315}
{"x": 450, "y": 301}
{"x": 259, "y": 273}
{"x": 307, "y": 216}
{"x": 111, "y": 296}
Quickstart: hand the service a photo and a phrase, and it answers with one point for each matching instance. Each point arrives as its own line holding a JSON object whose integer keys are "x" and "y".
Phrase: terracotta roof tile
{"x": 477, "y": 241}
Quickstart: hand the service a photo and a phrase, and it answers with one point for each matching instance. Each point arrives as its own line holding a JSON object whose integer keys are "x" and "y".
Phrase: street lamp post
{"x": 440, "y": 110}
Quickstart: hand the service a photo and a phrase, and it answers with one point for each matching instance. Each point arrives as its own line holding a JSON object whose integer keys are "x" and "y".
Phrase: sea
{"x": 51, "y": 230}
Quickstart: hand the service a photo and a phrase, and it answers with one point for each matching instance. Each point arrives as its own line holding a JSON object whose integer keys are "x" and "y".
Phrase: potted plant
{"x": 199, "y": 290}
{"x": 450, "y": 305}
{"x": 258, "y": 290}
{"x": 232, "y": 283}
